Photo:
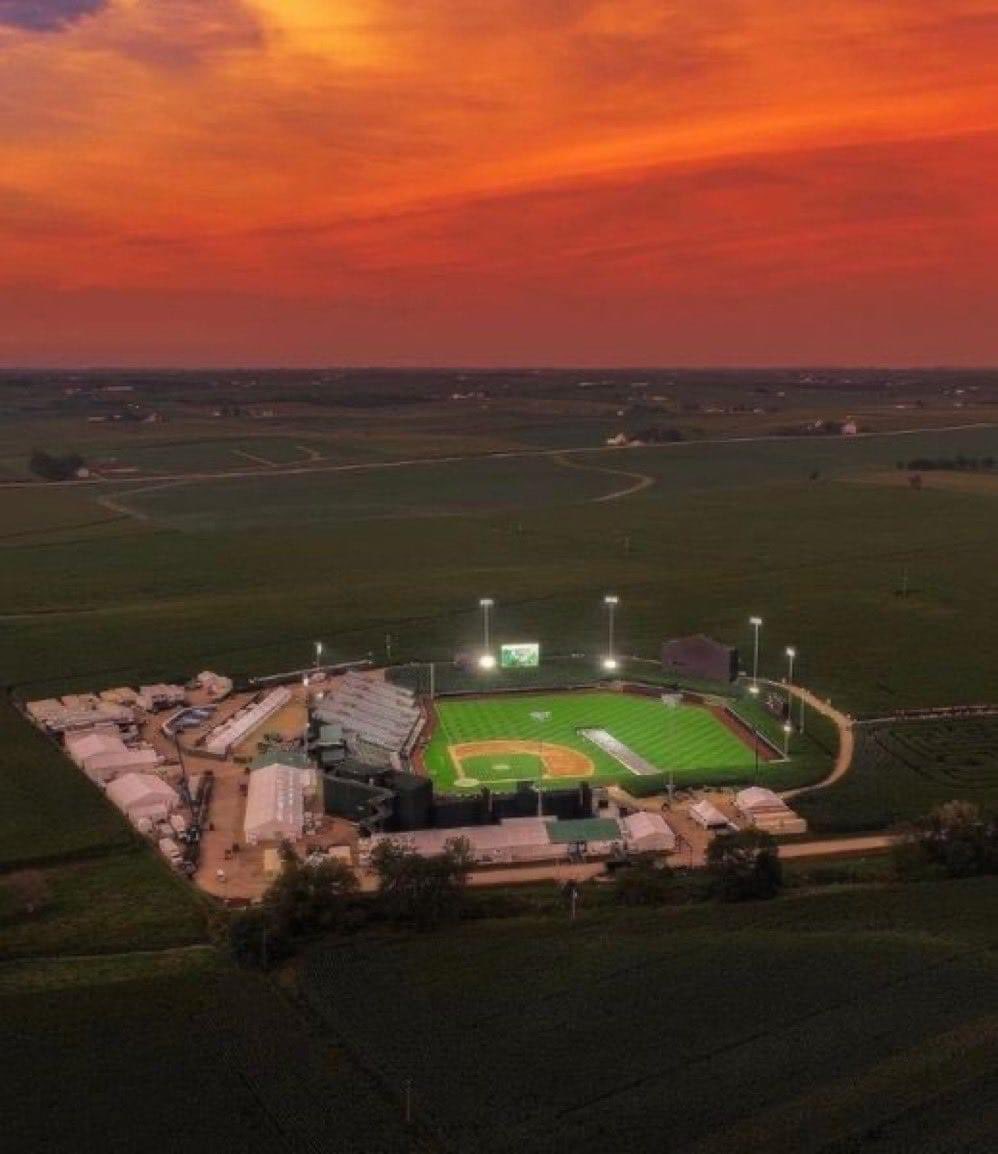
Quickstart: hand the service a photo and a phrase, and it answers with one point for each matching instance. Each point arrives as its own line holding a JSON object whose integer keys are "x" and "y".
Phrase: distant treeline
{"x": 53, "y": 468}
{"x": 950, "y": 464}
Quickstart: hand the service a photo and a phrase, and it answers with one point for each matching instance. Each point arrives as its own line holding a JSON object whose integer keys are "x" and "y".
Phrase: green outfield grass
{"x": 687, "y": 740}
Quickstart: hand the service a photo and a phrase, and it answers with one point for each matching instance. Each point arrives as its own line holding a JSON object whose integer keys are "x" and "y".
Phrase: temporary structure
{"x": 647, "y": 832}
{"x": 707, "y": 815}
{"x": 275, "y": 803}
{"x": 143, "y": 795}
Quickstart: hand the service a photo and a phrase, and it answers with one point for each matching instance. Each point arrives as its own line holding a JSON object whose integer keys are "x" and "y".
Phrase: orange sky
{"x": 498, "y": 181}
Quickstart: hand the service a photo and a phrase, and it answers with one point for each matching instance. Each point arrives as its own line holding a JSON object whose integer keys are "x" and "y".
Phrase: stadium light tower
{"x": 487, "y": 659}
{"x": 756, "y": 623}
{"x": 791, "y": 653}
{"x": 611, "y": 601}
{"x": 787, "y": 729}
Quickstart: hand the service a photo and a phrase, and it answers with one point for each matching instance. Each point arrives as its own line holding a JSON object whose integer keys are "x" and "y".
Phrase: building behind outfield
{"x": 701, "y": 658}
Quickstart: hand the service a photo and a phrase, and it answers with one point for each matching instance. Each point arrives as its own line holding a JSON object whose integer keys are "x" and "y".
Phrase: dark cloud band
{"x": 46, "y": 15}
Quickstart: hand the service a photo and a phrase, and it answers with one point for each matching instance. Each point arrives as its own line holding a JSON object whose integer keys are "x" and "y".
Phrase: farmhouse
{"x": 701, "y": 658}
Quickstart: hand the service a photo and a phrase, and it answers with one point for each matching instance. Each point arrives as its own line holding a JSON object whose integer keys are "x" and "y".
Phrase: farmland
{"x": 902, "y": 770}
{"x": 812, "y": 1021}
{"x": 177, "y": 1052}
{"x": 803, "y": 1023}
{"x": 243, "y": 574}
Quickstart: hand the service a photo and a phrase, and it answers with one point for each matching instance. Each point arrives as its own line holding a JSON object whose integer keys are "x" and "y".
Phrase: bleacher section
{"x": 377, "y": 719}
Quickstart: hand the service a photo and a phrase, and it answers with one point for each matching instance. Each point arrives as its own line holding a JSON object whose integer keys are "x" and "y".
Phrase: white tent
{"x": 768, "y": 811}
{"x": 757, "y": 798}
{"x": 647, "y": 832}
{"x": 275, "y": 804}
{"x": 92, "y": 743}
{"x": 707, "y": 815}
{"x": 142, "y": 795}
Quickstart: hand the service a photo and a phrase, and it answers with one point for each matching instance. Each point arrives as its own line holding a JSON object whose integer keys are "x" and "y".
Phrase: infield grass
{"x": 687, "y": 740}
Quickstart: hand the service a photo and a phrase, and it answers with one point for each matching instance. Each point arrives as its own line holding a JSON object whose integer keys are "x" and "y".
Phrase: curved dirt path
{"x": 641, "y": 480}
{"x": 844, "y": 724}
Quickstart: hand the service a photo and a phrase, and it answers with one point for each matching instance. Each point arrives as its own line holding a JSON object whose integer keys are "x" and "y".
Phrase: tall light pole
{"x": 318, "y": 654}
{"x": 791, "y": 654}
{"x": 611, "y": 601}
{"x": 487, "y": 659}
{"x": 787, "y": 728}
{"x": 756, "y": 623}
{"x": 304, "y": 739}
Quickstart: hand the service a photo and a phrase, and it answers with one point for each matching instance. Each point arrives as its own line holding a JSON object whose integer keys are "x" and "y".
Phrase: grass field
{"x": 687, "y": 740}
{"x": 836, "y": 1021}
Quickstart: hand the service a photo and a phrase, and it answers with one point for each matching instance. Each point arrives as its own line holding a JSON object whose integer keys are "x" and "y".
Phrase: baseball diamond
{"x": 507, "y": 738}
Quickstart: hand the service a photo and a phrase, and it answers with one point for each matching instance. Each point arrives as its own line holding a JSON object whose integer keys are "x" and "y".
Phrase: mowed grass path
{"x": 687, "y": 740}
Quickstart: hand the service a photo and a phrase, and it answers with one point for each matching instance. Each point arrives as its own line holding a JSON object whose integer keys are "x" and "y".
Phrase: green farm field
{"x": 114, "y": 582}
{"x": 687, "y": 740}
{"x": 844, "y": 1020}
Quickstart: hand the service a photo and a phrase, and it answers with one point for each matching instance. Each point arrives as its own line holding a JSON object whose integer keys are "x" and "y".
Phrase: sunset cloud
{"x": 369, "y": 157}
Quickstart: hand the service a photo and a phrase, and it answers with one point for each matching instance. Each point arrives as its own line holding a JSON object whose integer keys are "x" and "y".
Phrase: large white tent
{"x": 142, "y": 795}
{"x": 275, "y": 803}
{"x": 103, "y": 756}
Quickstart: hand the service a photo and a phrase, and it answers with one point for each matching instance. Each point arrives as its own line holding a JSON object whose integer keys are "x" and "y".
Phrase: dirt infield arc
{"x": 558, "y": 760}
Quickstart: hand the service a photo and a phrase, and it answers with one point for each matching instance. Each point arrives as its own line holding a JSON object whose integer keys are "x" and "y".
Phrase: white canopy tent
{"x": 275, "y": 804}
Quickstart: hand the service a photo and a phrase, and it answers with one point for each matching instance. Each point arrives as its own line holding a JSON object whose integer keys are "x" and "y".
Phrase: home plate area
{"x": 482, "y": 762}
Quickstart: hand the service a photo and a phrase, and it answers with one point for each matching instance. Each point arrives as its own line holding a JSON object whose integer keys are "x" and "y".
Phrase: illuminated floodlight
{"x": 611, "y": 599}
{"x": 754, "y": 690}
{"x": 787, "y": 727}
{"x": 486, "y": 661}
{"x": 486, "y": 602}
{"x": 610, "y": 663}
{"x": 756, "y": 623}
{"x": 790, "y": 651}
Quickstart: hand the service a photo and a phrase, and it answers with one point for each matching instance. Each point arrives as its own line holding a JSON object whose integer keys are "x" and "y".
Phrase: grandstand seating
{"x": 372, "y": 714}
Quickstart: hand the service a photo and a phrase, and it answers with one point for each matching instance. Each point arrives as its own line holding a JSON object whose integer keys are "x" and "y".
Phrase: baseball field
{"x": 560, "y": 738}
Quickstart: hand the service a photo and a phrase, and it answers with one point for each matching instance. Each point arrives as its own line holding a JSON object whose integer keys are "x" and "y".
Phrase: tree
{"x": 424, "y": 891}
{"x": 307, "y": 899}
{"x": 645, "y": 882}
{"x": 956, "y": 836}
{"x": 745, "y": 865}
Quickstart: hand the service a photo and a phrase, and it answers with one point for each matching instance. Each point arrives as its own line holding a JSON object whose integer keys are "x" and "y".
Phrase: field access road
{"x": 294, "y": 469}
{"x": 844, "y": 724}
